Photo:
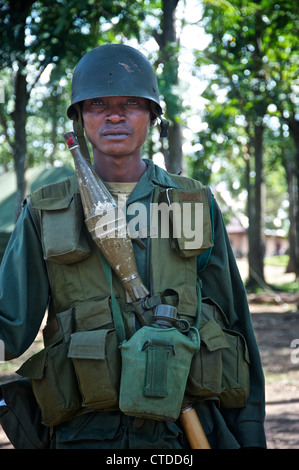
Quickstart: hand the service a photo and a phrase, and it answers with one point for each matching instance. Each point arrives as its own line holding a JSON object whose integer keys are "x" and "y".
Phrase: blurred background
{"x": 229, "y": 85}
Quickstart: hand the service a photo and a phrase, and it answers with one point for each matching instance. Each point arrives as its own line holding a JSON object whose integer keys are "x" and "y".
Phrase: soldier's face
{"x": 117, "y": 126}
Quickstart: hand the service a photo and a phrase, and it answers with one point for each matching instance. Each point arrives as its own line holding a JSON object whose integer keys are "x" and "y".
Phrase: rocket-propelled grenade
{"x": 106, "y": 223}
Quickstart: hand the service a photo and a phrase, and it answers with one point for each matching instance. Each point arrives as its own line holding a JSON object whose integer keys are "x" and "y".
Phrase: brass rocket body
{"x": 106, "y": 223}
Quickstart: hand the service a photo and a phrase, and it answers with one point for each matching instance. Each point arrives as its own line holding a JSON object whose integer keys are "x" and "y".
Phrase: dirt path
{"x": 275, "y": 332}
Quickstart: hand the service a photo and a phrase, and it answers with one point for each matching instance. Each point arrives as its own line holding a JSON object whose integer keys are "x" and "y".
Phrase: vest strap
{"x": 117, "y": 317}
{"x": 143, "y": 308}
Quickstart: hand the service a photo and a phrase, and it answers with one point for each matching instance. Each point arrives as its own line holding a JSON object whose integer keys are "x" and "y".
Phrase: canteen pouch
{"x": 190, "y": 221}
{"x": 96, "y": 359}
{"x": 220, "y": 369}
{"x": 155, "y": 368}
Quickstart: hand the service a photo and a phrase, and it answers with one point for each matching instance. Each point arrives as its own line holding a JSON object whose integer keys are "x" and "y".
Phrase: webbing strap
{"x": 143, "y": 308}
{"x": 117, "y": 316}
{"x": 199, "y": 302}
{"x": 204, "y": 258}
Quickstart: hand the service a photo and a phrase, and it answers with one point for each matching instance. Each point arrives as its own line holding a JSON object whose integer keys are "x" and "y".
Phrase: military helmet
{"x": 114, "y": 70}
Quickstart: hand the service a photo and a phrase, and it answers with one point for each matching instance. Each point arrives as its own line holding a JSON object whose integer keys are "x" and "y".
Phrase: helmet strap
{"x": 79, "y": 131}
{"x": 163, "y": 127}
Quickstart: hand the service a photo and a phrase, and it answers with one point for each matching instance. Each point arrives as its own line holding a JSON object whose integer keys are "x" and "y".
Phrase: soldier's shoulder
{"x": 187, "y": 182}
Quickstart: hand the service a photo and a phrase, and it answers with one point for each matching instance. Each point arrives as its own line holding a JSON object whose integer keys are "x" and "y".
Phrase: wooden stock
{"x": 193, "y": 429}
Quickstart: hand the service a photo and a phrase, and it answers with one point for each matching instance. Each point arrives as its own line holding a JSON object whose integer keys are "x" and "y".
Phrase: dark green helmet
{"x": 114, "y": 70}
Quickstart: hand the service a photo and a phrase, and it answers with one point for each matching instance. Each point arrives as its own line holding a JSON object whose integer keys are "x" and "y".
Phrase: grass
{"x": 282, "y": 283}
{"x": 280, "y": 260}
{"x": 290, "y": 287}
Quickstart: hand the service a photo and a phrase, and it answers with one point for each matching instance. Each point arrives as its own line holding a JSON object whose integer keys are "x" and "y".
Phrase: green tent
{"x": 36, "y": 177}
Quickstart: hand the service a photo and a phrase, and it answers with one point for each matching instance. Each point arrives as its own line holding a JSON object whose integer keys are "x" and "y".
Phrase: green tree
{"x": 36, "y": 34}
{"x": 243, "y": 37}
{"x": 168, "y": 83}
{"x": 284, "y": 59}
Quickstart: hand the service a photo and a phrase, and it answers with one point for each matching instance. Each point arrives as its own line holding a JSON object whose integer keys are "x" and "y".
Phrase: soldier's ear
{"x": 153, "y": 119}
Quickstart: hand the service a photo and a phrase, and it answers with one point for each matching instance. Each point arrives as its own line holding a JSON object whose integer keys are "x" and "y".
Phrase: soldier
{"x": 51, "y": 262}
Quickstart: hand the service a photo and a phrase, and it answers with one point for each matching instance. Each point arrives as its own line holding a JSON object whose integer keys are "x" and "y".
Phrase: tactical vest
{"x": 74, "y": 262}
{"x": 80, "y": 366}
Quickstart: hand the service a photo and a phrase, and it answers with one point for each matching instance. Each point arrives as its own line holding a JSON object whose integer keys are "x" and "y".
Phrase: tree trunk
{"x": 291, "y": 178}
{"x": 54, "y": 141}
{"x": 249, "y": 206}
{"x": 167, "y": 41}
{"x": 19, "y": 10}
{"x": 174, "y": 156}
{"x": 20, "y": 146}
{"x": 256, "y": 232}
{"x": 294, "y": 130}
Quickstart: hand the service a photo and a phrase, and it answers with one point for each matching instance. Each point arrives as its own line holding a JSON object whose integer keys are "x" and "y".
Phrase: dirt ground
{"x": 275, "y": 332}
{"x": 275, "y": 318}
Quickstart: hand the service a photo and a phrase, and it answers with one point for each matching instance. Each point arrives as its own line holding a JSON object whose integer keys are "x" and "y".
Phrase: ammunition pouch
{"x": 53, "y": 377}
{"x": 190, "y": 222}
{"x": 67, "y": 213}
{"x": 220, "y": 369}
{"x": 77, "y": 369}
{"x": 96, "y": 360}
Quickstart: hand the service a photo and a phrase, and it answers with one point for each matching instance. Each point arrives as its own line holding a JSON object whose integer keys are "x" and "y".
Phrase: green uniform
{"x": 25, "y": 290}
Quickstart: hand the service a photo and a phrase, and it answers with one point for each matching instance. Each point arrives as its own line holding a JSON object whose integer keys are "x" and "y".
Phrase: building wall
{"x": 273, "y": 245}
